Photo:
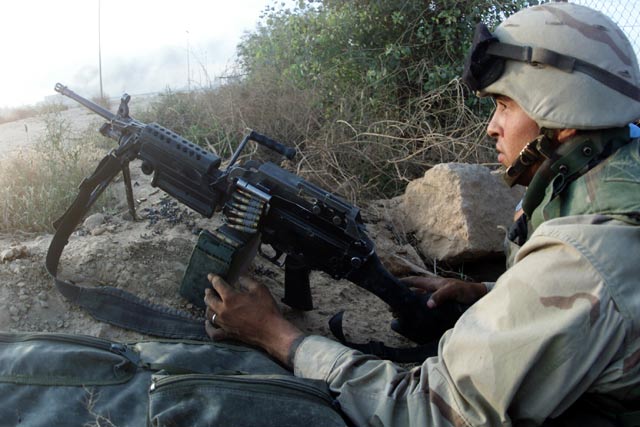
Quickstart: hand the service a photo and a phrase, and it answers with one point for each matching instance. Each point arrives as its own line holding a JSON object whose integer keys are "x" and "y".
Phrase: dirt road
{"x": 22, "y": 134}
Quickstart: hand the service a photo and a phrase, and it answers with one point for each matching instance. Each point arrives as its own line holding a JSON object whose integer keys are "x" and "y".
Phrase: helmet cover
{"x": 558, "y": 99}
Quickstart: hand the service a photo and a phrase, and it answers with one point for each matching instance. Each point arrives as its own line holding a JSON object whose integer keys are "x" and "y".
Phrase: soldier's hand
{"x": 250, "y": 315}
{"x": 447, "y": 289}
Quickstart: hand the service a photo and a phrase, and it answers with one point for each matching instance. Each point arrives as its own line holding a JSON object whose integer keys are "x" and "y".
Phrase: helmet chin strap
{"x": 533, "y": 153}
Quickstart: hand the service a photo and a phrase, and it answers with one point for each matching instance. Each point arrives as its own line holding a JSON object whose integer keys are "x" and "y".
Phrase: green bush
{"x": 364, "y": 56}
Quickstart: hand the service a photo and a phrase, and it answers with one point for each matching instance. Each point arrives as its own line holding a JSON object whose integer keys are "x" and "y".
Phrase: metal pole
{"x": 100, "y": 53}
{"x": 188, "y": 67}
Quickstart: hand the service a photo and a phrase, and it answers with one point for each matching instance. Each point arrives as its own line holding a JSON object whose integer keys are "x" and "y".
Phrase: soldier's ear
{"x": 563, "y": 135}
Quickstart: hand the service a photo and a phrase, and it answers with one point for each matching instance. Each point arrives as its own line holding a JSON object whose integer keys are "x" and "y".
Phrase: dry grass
{"x": 355, "y": 152}
{"x": 37, "y": 185}
{"x": 91, "y": 399}
{"x": 359, "y": 156}
{"x": 217, "y": 119}
{"x": 377, "y": 159}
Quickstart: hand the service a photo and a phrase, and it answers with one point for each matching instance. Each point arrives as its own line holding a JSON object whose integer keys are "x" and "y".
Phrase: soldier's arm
{"x": 525, "y": 351}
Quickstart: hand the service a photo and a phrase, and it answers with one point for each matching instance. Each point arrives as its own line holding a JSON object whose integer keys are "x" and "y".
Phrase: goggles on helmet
{"x": 486, "y": 59}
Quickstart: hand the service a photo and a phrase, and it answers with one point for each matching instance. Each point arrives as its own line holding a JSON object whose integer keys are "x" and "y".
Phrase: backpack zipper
{"x": 113, "y": 347}
{"x": 265, "y": 383}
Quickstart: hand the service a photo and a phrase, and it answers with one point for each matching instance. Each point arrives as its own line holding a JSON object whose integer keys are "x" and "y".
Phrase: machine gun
{"x": 262, "y": 204}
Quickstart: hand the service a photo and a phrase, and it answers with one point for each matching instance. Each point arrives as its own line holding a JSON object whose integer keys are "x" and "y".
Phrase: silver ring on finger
{"x": 213, "y": 319}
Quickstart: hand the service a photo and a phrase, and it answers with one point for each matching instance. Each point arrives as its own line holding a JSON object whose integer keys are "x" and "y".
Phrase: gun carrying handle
{"x": 276, "y": 146}
{"x": 297, "y": 292}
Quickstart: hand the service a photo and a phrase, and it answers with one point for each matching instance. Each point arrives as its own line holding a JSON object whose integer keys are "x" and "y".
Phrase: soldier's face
{"x": 512, "y": 129}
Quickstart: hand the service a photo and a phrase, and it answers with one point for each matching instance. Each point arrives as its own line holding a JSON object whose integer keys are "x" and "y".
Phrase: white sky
{"x": 144, "y": 44}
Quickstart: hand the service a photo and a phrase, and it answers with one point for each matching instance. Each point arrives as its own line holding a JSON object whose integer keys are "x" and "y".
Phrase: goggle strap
{"x": 538, "y": 55}
{"x": 609, "y": 79}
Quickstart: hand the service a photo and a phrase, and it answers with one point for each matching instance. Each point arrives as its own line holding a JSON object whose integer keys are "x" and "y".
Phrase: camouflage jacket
{"x": 562, "y": 321}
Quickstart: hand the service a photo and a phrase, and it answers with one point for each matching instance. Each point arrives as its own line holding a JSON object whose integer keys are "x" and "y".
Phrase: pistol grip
{"x": 297, "y": 292}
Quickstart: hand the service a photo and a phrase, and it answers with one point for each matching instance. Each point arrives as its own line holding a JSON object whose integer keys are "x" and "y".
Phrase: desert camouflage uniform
{"x": 564, "y": 320}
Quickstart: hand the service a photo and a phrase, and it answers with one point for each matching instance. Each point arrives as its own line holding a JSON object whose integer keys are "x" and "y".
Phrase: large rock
{"x": 457, "y": 212}
{"x": 399, "y": 258}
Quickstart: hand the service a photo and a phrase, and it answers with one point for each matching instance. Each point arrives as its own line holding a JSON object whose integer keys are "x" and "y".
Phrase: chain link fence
{"x": 626, "y": 13}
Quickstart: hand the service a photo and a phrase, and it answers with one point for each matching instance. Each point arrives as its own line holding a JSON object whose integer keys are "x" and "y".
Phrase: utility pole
{"x": 188, "y": 66}
{"x": 100, "y": 54}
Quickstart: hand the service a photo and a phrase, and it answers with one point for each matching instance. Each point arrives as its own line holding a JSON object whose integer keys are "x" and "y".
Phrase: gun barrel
{"x": 63, "y": 90}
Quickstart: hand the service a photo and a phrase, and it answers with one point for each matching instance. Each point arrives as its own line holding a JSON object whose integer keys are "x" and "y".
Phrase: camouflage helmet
{"x": 567, "y": 66}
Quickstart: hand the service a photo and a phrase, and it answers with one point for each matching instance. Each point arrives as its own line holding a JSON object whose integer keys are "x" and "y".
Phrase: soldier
{"x": 557, "y": 339}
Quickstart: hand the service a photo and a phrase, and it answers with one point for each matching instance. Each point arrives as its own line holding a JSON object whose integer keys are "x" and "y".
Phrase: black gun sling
{"x": 105, "y": 303}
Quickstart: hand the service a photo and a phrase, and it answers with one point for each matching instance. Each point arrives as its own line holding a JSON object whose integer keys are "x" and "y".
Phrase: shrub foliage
{"x": 381, "y": 78}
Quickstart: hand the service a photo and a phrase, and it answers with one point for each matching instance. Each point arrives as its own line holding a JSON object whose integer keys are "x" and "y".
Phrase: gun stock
{"x": 412, "y": 317}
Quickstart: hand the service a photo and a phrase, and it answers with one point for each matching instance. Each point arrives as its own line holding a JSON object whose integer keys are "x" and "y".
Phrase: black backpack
{"x": 70, "y": 380}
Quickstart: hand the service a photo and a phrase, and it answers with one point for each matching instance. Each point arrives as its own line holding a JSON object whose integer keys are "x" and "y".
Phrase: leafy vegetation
{"x": 384, "y": 52}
